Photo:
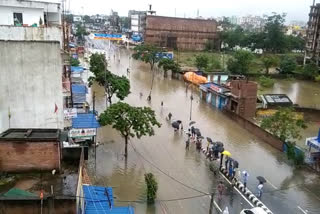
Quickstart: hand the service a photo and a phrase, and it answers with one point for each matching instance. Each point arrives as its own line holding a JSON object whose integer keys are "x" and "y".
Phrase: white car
{"x": 256, "y": 210}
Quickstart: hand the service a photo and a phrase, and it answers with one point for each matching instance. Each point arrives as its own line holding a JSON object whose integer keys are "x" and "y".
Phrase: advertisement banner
{"x": 70, "y": 113}
{"x": 79, "y": 133}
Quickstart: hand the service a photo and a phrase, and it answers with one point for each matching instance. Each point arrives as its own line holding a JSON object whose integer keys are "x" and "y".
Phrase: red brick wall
{"x": 192, "y": 34}
{"x": 26, "y": 156}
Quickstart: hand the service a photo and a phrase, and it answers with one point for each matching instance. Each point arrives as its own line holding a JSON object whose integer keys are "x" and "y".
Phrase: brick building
{"x": 243, "y": 98}
{"x": 180, "y": 33}
{"x": 29, "y": 149}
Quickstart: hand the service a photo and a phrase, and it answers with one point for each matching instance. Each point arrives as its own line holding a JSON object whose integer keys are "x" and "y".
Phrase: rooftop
{"x": 30, "y": 135}
{"x": 277, "y": 98}
{"x": 85, "y": 121}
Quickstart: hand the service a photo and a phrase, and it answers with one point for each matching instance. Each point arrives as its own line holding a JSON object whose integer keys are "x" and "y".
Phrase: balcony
{"x": 17, "y": 33}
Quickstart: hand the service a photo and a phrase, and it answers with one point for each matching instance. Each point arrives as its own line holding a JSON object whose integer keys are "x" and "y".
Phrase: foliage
{"x": 214, "y": 64}
{"x": 297, "y": 157}
{"x": 266, "y": 82}
{"x": 240, "y": 62}
{"x": 210, "y": 45}
{"x": 274, "y": 33}
{"x": 295, "y": 43}
{"x": 311, "y": 70}
{"x": 130, "y": 121}
{"x": 152, "y": 187}
{"x": 74, "y": 62}
{"x": 288, "y": 64}
{"x": 233, "y": 37}
{"x": 202, "y": 61}
{"x": 87, "y": 19}
{"x": 284, "y": 124}
{"x": 269, "y": 61}
{"x": 169, "y": 64}
{"x": 317, "y": 78}
{"x": 81, "y": 32}
{"x": 69, "y": 18}
{"x": 113, "y": 84}
{"x": 225, "y": 23}
{"x": 125, "y": 22}
{"x": 147, "y": 54}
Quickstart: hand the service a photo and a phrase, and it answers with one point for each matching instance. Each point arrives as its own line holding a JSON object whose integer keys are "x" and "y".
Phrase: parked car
{"x": 256, "y": 210}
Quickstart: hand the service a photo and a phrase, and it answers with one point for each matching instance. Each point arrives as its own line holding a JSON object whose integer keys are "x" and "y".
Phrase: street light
{"x": 191, "y": 98}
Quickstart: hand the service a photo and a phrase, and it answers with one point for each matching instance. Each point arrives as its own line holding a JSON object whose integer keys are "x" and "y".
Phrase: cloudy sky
{"x": 295, "y": 9}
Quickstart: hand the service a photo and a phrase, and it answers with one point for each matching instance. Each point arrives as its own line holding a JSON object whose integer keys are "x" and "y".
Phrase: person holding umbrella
{"x": 245, "y": 176}
{"x": 260, "y": 189}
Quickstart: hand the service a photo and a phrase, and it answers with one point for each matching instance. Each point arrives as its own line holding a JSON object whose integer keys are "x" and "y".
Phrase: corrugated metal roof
{"x": 79, "y": 89}
{"x": 100, "y": 200}
{"x": 76, "y": 69}
{"x": 85, "y": 121}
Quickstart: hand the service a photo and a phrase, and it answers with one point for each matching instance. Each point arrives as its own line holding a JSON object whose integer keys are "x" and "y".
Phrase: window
{"x": 17, "y": 19}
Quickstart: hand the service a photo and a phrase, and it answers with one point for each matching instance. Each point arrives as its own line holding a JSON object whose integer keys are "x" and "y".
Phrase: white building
{"x": 31, "y": 65}
{"x": 28, "y": 13}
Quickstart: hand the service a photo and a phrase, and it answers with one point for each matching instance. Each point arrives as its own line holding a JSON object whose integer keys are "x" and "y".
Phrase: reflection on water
{"x": 166, "y": 150}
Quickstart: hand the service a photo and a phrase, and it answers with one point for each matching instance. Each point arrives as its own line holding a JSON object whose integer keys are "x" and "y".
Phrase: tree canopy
{"x": 169, "y": 65}
{"x": 113, "y": 84}
{"x": 269, "y": 61}
{"x": 288, "y": 64}
{"x": 240, "y": 62}
{"x": 202, "y": 61}
{"x": 284, "y": 124}
{"x": 130, "y": 121}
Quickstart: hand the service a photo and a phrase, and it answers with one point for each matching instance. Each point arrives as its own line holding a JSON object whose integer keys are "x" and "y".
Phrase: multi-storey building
{"x": 312, "y": 50}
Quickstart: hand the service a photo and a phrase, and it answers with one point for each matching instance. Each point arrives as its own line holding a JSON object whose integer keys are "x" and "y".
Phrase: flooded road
{"x": 184, "y": 176}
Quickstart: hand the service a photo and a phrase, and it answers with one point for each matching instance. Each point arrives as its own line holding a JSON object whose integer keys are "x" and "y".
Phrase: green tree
{"x": 169, "y": 65}
{"x": 202, "y": 61}
{"x": 284, "y": 125}
{"x": 311, "y": 70}
{"x": 81, "y": 32}
{"x": 288, "y": 64}
{"x": 113, "y": 84}
{"x": 147, "y": 54}
{"x": 274, "y": 40}
{"x": 269, "y": 61}
{"x": 266, "y": 82}
{"x": 130, "y": 121}
{"x": 87, "y": 19}
{"x": 74, "y": 62}
{"x": 240, "y": 62}
{"x": 295, "y": 43}
{"x": 152, "y": 187}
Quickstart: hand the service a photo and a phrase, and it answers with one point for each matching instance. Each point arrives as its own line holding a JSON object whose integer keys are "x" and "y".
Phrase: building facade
{"x": 137, "y": 21}
{"x": 180, "y": 33}
{"x": 31, "y": 92}
{"x": 313, "y": 30}
{"x": 29, "y": 149}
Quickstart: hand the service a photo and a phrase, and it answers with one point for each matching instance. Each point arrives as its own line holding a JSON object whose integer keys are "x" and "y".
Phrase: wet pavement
{"x": 185, "y": 174}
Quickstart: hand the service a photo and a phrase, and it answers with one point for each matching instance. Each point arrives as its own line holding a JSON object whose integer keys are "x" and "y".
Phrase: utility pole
{"x": 94, "y": 138}
{"x": 211, "y": 203}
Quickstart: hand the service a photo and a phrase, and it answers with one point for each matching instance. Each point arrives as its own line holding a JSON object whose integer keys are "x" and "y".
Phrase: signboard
{"x": 70, "y": 113}
{"x": 216, "y": 88}
{"x": 75, "y": 56}
{"x": 107, "y": 36}
{"x": 165, "y": 55}
{"x": 82, "y": 133}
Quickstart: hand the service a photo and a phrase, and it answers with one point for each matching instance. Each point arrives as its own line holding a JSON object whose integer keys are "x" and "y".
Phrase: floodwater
{"x": 184, "y": 174}
{"x": 303, "y": 93}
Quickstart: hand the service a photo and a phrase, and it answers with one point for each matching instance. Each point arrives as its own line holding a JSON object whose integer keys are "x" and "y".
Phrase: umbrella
{"x": 175, "y": 125}
{"x": 261, "y": 179}
{"x": 209, "y": 140}
{"x": 191, "y": 123}
{"x": 219, "y": 144}
{"x": 197, "y": 132}
{"x": 220, "y": 149}
{"x": 179, "y": 121}
{"x": 227, "y": 153}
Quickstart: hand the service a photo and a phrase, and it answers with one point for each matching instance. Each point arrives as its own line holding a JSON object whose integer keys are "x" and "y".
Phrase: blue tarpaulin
{"x": 100, "y": 200}
{"x": 83, "y": 121}
{"x": 71, "y": 45}
{"x": 79, "y": 93}
{"x": 77, "y": 69}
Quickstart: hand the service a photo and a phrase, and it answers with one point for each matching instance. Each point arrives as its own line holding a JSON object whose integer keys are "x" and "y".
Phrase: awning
{"x": 100, "y": 200}
{"x": 85, "y": 121}
{"x": 79, "y": 93}
{"x": 77, "y": 69}
{"x": 313, "y": 143}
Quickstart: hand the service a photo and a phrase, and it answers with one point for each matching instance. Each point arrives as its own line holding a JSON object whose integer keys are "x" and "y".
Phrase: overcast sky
{"x": 295, "y": 9}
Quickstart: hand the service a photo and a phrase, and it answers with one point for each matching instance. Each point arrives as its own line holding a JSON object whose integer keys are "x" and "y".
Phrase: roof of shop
{"x": 277, "y": 99}
{"x": 85, "y": 121}
{"x": 100, "y": 200}
{"x": 79, "y": 89}
{"x": 30, "y": 135}
{"x": 76, "y": 69}
{"x": 213, "y": 87}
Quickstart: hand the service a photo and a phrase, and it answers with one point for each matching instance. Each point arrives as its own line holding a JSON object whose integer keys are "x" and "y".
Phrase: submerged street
{"x": 184, "y": 176}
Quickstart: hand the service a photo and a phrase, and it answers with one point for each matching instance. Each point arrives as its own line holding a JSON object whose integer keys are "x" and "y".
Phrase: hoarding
{"x": 80, "y": 133}
{"x": 70, "y": 113}
{"x": 107, "y": 36}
